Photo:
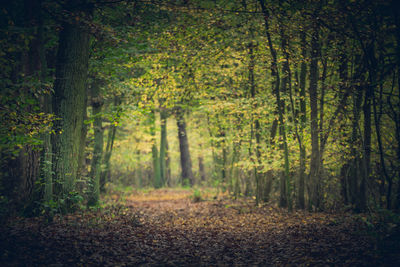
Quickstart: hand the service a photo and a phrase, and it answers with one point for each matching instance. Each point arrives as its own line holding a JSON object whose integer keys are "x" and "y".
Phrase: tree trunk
{"x": 154, "y": 152}
{"x": 395, "y": 110}
{"x": 369, "y": 91}
{"x": 167, "y": 165}
{"x": 82, "y": 159}
{"x": 105, "y": 175}
{"x": 303, "y": 120}
{"x": 29, "y": 157}
{"x": 163, "y": 146}
{"x": 255, "y": 128}
{"x": 377, "y": 120}
{"x": 95, "y": 171}
{"x": 286, "y": 86}
{"x": 283, "y": 201}
{"x": 202, "y": 171}
{"x": 274, "y": 66}
{"x": 315, "y": 197}
{"x": 186, "y": 162}
{"x": 47, "y": 153}
{"x": 68, "y": 106}
{"x": 138, "y": 170}
{"x": 354, "y": 173}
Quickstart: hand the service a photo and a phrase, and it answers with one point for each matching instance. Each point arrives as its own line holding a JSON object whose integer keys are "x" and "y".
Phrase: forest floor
{"x": 167, "y": 227}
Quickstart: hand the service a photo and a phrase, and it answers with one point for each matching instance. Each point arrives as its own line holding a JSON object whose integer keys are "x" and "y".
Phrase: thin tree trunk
{"x": 163, "y": 145}
{"x": 154, "y": 152}
{"x": 395, "y": 110}
{"x": 303, "y": 120}
{"x": 46, "y": 156}
{"x": 286, "y": 86}
{"x": 380, "y": 147}
{"x": 167, "y": 165}
{"x": 280, "y": 107}
{"x": 353, "y": 178}
{"x": 315, "y": 197}
{"x": 186, "y": 162}
{"x": 82, "y": 159}
{"x": 275, "y": 74}
{"x": 212, "y": 144}
{"x": 105, "y": 175}
{"x": 274, "y": 65}
{"x": 224, "y": 155}
{"x": 202, "y": 171}
{"x": 95, "y": 171}
{"x": 138, "y": 170}
{"x": 256, "y": 128}
{"x": 369, "y": 91}
{"x": 26, "y": 190}
{"x": 322, "y": 102}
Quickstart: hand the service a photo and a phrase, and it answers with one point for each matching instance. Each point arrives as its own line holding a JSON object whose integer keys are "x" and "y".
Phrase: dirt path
{"x": 166, "y": 228}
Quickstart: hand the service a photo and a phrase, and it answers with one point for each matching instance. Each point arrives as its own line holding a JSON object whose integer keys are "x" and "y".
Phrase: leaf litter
{"x": 166, "y": 228}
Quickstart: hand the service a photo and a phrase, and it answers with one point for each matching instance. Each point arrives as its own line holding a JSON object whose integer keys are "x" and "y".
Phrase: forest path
{"x": 166, "y": 228}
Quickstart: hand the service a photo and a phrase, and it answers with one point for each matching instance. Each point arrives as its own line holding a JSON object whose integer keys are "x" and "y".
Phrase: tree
{"x": 315, "y": 194}
{"x": 69, "y": 100}
{"x": 186, "y": 161}
{"x": 163, "y": 146}
{"x": 95, "y": 170}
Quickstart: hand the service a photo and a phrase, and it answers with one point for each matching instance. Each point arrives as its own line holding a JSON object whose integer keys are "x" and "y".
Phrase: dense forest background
{"x": 290, "y": 102}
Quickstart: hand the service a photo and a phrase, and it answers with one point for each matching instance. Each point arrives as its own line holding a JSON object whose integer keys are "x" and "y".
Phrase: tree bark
{"x": 95, "y": 171}
{"x": 154, "y": 152}
{"x": 274, "y": 65}
{"x": 303, "y": 120}
{"x": 286, "y": 86}
{"x": 283, "y": 202}
{"x": 47, "y": 154}
{"x": 202, "y": 171}
{"x": 255, "y": 128}
{"x": 163, "y": 146}
{"x": 186, "y": 162}
{"x": 69, "y": 104}
{"x": 167, "y": 165}
{"x": 315, "y": 196}
{"x": 105, "y": 175}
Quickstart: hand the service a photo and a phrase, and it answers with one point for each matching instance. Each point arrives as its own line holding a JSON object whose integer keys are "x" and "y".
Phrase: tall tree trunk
{"x": 47, "y": 153}
{"x": 354, "y": 174}
{"x": 95, "y": 171}
{"x": 322, "y": 103}
{"x": 138, "y": 172}
{"x": 283, "y": 202}
{"x": 286, "y": 86}
{"x": 274, "y": 65}
{"x": 186, "y": 162}
{"x": 212, "y": 144}
{"x": 82, "y": 159}
{"x": 154, "y": 152}
{"x": 377, "y": 120}
{"x": 303, "y": 121}
{"x": 395, "y": 110}
{"x": 396, "y": 114}
{"x": 29, "y": 157}
{"x": 69, "y": 105}
{"x": 163, "y": 145}
{"x": 202, "y": 171}
{"x": 255, "y": 128}
{"x": 167, "y": 165}
{"x": 369, "y": 91}
{"x": 105, "y": 174}
{"x": 315, "y": 196}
